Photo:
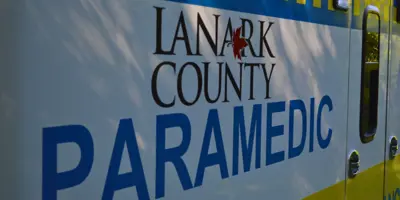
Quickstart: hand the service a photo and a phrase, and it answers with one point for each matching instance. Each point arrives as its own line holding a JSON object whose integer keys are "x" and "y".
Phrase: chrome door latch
{"x": 354, "y": 163}
{"x": 393, "y": 147}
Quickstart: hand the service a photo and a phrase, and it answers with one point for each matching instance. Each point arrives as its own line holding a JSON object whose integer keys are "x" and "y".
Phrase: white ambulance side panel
{"x": 89, "y": 64}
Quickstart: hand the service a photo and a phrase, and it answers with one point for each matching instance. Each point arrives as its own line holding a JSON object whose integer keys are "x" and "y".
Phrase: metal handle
{"x": 369, "y": 105}
{"x": 354, "y": 163}
{"x": 393, "y": 147}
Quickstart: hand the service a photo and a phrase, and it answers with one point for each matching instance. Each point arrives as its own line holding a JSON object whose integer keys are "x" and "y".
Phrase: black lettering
{"x": 206, "y": 84}
{"x": 249, "y": 37}
{"x": 213, "y": 44}
{"x": 199, "y": 83}
{"x": 181, "y": 25}
{"x": 238, "y": 89}
{"x": 159, "y": 49}
{"x": 251, "y": 65}
{"x": 154, "y": 90}
{"x": 264, "y": 41}
{"x": 227, "y": 40}
{"x": 267, "y": 79}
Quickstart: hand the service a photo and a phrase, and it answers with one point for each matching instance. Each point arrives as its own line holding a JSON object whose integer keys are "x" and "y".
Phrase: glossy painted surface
{"x": 91, "y": 63}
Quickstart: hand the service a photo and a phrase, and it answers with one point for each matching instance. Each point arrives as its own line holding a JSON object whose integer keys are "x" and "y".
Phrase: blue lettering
{"x": 312, "y": 124}
{"x": 246, "y": 138}
{"x": 173, "y": 155}
{"x": 273, "y": 131}
{"x": 52, "y": 180}
{"x": 217, "y": 158}
{"x": 297, "y": 105}
{"x": 247, "y": 148}
{"x": 125, "y": 134}
{"x": 323, "y": 143}
{"x": 393, "y": 196}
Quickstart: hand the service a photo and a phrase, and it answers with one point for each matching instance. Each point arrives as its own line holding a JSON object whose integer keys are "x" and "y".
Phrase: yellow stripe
{"x": 330, "y": 5}
{"x": 333, "y": 192}
{"x": 386, "y": 13}
{"x": 301, "y": 1}
{"x": 356, "y": 7}
{"x": 317, "y": 3}
{"x": 366, "y": 185}
{"x": 392, "y": 176}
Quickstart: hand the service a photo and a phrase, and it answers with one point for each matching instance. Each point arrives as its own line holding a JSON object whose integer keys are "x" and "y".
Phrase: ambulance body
{"x": 197, "y": 99}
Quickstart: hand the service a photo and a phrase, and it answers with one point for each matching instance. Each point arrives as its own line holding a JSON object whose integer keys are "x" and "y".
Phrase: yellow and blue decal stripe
{"x": 313, "y": 11}
{"x": 369, "y": 184}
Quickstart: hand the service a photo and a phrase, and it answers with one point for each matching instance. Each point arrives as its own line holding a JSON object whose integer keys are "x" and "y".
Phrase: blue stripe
{"x": 289, "y": 10}
{"x": 280, "y": 9}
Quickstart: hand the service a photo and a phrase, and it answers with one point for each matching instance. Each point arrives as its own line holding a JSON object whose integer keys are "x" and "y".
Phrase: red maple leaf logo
{"x": 238, "y": 43}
